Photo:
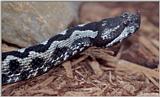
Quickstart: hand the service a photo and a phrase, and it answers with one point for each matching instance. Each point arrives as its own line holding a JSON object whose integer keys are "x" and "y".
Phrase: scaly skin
{"x": 35, "y": 60}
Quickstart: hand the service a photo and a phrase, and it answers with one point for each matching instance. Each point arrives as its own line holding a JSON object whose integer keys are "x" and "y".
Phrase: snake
{"x": 35, "y": 60}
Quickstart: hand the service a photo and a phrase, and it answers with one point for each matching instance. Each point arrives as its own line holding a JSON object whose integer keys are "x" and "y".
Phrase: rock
{"x": 6, "y": 48}
{"x": 28, "y": 23}
{"x": 97, "y": 11}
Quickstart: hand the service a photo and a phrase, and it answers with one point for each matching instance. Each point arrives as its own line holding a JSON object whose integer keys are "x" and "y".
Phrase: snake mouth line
{"x": 126, "y": 32}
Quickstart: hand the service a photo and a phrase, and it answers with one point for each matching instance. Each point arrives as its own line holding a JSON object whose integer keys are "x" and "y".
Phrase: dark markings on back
{"x": 37, "y": 62}
{"x": 58, "y": 52}
{"x": 4, "y": 78}
{"x": 40, "y": 71}
{"x": 14, "y": 66}
{"x": 42, "y": 48}
{"x": 24, "y": 75}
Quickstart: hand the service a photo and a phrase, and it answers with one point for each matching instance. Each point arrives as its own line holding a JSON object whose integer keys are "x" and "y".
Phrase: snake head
{"x": 113, "y": 30}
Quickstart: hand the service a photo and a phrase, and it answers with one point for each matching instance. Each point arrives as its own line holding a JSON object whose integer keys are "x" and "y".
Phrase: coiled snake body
{"x": 38, "y": 59}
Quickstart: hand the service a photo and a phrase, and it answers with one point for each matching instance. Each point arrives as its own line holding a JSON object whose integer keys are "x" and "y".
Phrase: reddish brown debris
{"x": 100, "y": 72}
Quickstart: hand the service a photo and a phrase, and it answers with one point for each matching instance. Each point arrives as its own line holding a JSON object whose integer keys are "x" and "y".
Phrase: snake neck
{"x": 36, "y": 60}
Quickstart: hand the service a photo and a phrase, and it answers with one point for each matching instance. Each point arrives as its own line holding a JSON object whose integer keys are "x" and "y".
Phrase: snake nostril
{"x": 126, "y": 23}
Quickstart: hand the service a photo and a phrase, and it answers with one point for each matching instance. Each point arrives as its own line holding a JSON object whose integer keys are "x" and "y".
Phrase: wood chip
{"x": 137, "y": 68}
{"x": 96, "y": 68}
{"x": 148, "y": 44}
{"x": 99, "y": 93}
{"x": 67, "y": 66}
{"x": 79, "y": 60}
{"x": 155, "y": 42}
{"x": 152, "y": 80}
{"x": 45, "y": 91}
{"x": 123, "y": 64}
{"x": 43, "y": 84}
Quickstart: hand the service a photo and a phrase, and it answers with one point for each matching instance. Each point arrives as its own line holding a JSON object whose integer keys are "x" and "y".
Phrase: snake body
{"x": 29, "y": 62}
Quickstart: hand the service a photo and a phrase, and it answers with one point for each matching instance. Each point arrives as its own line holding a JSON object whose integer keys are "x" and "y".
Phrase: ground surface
{"x": 115, "y": 71}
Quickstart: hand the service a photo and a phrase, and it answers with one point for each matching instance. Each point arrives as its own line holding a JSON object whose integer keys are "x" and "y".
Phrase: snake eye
{"x": 125, "y": 14}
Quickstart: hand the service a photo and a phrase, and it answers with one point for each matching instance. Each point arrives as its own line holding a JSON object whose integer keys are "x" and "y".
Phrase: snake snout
{"x": 132, "y": 19}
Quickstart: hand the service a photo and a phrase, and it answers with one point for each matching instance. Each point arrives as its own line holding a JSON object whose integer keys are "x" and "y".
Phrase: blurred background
{"x": 28, "y": 23}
